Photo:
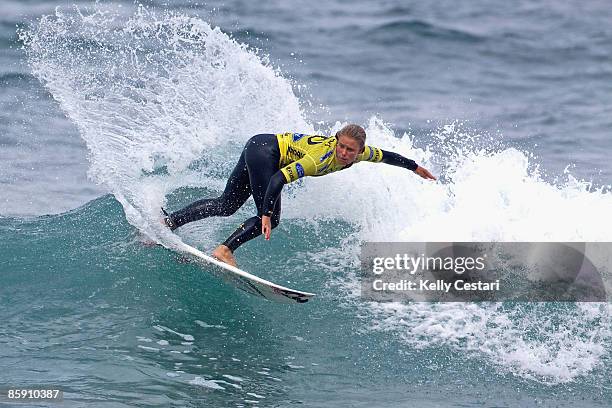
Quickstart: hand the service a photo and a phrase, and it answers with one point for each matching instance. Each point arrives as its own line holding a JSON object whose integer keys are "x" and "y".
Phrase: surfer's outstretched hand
{"x": 423, "y": 172}
{"x": 266, "y": 226}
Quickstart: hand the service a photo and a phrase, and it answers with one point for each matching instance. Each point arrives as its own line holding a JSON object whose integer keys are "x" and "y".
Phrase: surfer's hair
{"x": 354, "y": 131}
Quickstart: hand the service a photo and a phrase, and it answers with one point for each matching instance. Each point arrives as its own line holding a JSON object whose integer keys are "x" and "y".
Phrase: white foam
{"x": 212, "y": 326}
{"x": 521, "y": 340}
{"x": 186, "y": 337}
{"x": 154, "y": 349}
{"x": 170, "y": 89}
{"x": 206, "y": 383}
{"x": 236, "y": 386}
{"x": 233, "y": 377}
{"x": 489, "y": 194}
{"x": 549, "y": 343}
{"x": 295, "y": 366}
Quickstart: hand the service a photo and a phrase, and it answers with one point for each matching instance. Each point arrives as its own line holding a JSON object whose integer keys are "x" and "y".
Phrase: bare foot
{"x": 224, "y": 254}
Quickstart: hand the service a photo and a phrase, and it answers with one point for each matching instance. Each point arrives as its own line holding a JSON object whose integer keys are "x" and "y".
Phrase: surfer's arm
{"x": 398, "y": 160}
{"x": 375, "y": 155}
{"x": 275, "y": 186}
{"x": 306, "y": 166}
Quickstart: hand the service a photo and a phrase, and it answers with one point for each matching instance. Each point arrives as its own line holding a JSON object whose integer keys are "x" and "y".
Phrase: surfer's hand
{"x": 423, "y": 172}
{"x": 266, "y": 226}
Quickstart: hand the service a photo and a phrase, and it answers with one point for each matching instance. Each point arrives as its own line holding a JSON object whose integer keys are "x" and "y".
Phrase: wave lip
{"x": 405, "y": 30}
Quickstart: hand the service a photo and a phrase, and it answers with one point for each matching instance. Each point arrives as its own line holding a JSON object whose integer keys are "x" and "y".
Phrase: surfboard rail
{"x": 245, "y": 281}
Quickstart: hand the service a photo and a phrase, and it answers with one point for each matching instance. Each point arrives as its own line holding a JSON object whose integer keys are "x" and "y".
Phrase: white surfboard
{"x": 245, "y": 281}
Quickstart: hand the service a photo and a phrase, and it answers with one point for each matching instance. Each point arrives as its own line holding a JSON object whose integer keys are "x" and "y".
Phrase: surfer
{"x": 267, "y": 163}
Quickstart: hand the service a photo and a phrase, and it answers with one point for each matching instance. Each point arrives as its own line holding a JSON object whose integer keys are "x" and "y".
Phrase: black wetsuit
{"x": 251, "y": 176}
{"x": 263, "y": 169}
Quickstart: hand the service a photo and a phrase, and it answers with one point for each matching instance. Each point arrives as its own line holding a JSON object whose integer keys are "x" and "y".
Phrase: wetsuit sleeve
{"x": 395, "y": 159}
{"x": 306, "y": 166}
{"x": 275, "y": 186}
{"x": 371, "y": 154}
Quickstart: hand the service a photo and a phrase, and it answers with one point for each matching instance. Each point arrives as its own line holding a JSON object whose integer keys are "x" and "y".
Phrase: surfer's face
{"x": 347, "y": 150}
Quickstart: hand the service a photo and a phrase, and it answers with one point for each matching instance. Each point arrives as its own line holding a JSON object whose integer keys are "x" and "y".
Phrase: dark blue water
{"x": 110, "y": 111}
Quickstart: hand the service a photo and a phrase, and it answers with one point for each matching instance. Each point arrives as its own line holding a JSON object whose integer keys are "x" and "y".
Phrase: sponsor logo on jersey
{"x": 294, "y": 154}
{"x": 316, "y": 139}
{"x": 300, "y": 170}
{"x": 298, "y": 136}
{"x": 325, "y": 156}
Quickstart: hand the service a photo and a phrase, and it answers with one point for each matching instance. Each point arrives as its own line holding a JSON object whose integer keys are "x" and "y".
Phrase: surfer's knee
{"x": 227, "y": 211}
{"x": 227, "y": 206}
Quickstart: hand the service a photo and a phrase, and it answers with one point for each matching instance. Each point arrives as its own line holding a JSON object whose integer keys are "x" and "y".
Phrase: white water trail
{"x": 151, "y": 93}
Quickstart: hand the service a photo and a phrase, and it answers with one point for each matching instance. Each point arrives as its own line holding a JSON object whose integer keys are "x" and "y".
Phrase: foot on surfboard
{"x": 224, "y": 254}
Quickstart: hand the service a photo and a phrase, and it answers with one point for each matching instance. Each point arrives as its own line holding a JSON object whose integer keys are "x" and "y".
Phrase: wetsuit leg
{"x": 237, "y": 191}
{"x": 262, "y": 158}
{"x": 251, "y": 228}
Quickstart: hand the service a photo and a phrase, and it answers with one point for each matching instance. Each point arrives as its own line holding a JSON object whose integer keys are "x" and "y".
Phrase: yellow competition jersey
{"x": 313, "y": 155}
